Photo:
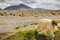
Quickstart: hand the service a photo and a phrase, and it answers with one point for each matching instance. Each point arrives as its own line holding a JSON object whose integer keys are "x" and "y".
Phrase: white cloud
{"x": 3, "y": 5}
{"x": 13, "y": 2}
{"x": 2, "y": 1}
{"x": 6, "y": 3}
{"x": 47, "y": 4}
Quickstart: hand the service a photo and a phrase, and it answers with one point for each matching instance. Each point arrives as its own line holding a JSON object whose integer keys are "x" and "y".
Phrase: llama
{"x": 46, "y": 25}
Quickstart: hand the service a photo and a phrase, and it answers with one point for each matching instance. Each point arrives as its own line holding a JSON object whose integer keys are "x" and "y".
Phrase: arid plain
{"x": 13, "y": 21}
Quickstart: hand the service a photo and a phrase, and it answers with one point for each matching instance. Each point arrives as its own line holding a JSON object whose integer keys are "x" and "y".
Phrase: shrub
{"x": 24, "y": 25}
{"x": 13, "y": 14}
{"x": 34, "y": 23}
{"x": 53, "y": 13}
{"x": 10, "y": 13}
{"x": 57, "y": 35}
{"x": 22, "y": 35}
{"x": 21, "y": 14}
{"x": 20, "y": 26}
{"x": 28, "y": 34}
{"x": 17, "y": 27}
{"x": 59, "y": 27}
{"x": 1, "y": 14}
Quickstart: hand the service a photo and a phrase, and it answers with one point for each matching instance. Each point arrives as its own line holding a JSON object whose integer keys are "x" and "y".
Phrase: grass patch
{"x": 57, "y": 34}
{"x": 35, "y": 23}
{"x": 22, "y": 35}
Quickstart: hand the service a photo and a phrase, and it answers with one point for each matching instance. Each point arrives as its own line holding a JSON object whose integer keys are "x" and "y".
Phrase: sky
{"x": 47, "y": 4}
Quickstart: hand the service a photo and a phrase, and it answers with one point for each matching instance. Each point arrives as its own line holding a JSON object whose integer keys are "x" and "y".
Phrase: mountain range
{"x": 0, "y": 8}
{"x": 16, "y": 7}
{"x": 21, "y": 6}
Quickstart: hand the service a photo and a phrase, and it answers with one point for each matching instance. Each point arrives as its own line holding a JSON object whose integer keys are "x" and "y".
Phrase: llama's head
{"x": 55, "y": 22}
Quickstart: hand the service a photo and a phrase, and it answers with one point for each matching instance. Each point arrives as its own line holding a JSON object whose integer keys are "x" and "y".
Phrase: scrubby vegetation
{"x": 35, "y": 13}
{"x": 21, "y": 26}
{"x": 22, "y": 35}
{"x": 21, "y": 14}
{"x": 34, "y": 23}
{"x": 57, "y": 35}
{"x": 32, "y": 35}
{"x": 28, "y": 35}
{"x": 59, "y": 27}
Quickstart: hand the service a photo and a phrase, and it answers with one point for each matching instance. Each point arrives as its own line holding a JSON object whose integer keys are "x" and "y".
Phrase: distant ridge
{"x": 0, "y": 8}
{"x": 21, "y": 6}
{"x": 16, "y": 7}
{"x": 40, "y": 9}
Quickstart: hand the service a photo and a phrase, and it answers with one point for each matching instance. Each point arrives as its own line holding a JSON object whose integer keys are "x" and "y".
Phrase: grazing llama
{"x": 46, "y": 25}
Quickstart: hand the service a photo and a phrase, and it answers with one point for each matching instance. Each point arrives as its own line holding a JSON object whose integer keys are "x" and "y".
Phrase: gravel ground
{"x": 9, "y": 22}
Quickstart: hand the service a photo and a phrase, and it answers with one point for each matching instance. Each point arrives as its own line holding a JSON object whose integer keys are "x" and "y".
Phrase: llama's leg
{"x": 52, "y": 36}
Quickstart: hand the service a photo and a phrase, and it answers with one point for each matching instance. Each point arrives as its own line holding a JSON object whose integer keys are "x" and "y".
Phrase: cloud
{"x": 13, "y": 2}
{"x": 6, "y": 3}
{"x": 47, "y": 4}
{"x": 29, "y": 1}
{"x": 2, "y": 1}
{"x": 3, "y": 5}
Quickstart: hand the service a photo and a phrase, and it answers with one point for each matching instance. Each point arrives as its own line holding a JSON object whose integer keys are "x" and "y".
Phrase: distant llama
{"x": 46, "y": 25}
